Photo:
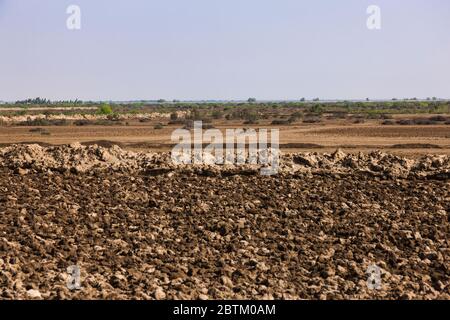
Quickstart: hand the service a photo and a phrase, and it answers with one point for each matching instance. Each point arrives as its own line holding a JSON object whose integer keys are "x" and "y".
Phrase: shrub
{"x": 217, "y": 114}
{"x": 424, "y": 122}
{"x": 82, "y": 122}
{"x": 279, "y": 122}
{"x": 43, "y": 122}
{"x": 316, "y": 109}
{"x": 312, "y": 120}
{"x": 105, "y": 109}
{"x": 195, "y": 114}
{"x": 250, "y": 117}
{"x": 189, "y": 124}
{"x": 439, "y": 118}
{"x": 158, "y": 126}
{"x": 60, "y": 122}
{"x": 405, "y": 122}
{"x": 177, "y": 121}
{"x": 297, "y": 114}
{"x": 106, "y": 123}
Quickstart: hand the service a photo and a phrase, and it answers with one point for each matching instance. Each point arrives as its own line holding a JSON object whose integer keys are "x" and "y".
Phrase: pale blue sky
{"x": 224, "y": 49}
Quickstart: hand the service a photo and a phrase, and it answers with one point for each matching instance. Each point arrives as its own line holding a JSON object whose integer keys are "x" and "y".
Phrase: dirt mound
{"x": 92, "y": 157}
{"x": 376, "y": 163}
{"x": 74, "y": 157}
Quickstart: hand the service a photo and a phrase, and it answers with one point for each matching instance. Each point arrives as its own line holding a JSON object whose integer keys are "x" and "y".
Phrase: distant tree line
{"x": 39, "y": 100}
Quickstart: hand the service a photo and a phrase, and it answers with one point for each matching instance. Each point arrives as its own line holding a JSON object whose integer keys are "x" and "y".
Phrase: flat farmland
{"x": 400, "y": 139}
{"x": 139, "y": 226}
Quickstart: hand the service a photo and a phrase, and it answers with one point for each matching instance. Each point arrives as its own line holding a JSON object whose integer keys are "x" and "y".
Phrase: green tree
{"x": 105, "y": 109}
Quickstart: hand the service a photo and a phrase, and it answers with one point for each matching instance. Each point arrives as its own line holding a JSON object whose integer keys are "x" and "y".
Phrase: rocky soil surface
{"x": 77, "y": 158}
{"x": 140, "y": 227}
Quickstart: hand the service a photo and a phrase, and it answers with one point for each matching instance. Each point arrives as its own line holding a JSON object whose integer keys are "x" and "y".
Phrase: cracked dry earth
{"x": 186, "y": 234}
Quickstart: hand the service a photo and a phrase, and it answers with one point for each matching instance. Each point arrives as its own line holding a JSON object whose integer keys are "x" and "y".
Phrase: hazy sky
{"x": 224, "y": 49}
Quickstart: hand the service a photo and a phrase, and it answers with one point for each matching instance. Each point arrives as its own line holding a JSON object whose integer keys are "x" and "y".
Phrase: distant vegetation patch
{"x": 416, "y": 146}
{"x": 43, "y": 122}
{"x": 418, "y": 121}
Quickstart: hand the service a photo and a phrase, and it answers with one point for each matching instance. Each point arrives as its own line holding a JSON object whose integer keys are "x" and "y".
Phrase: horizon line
{"x": 233, "y": 100}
